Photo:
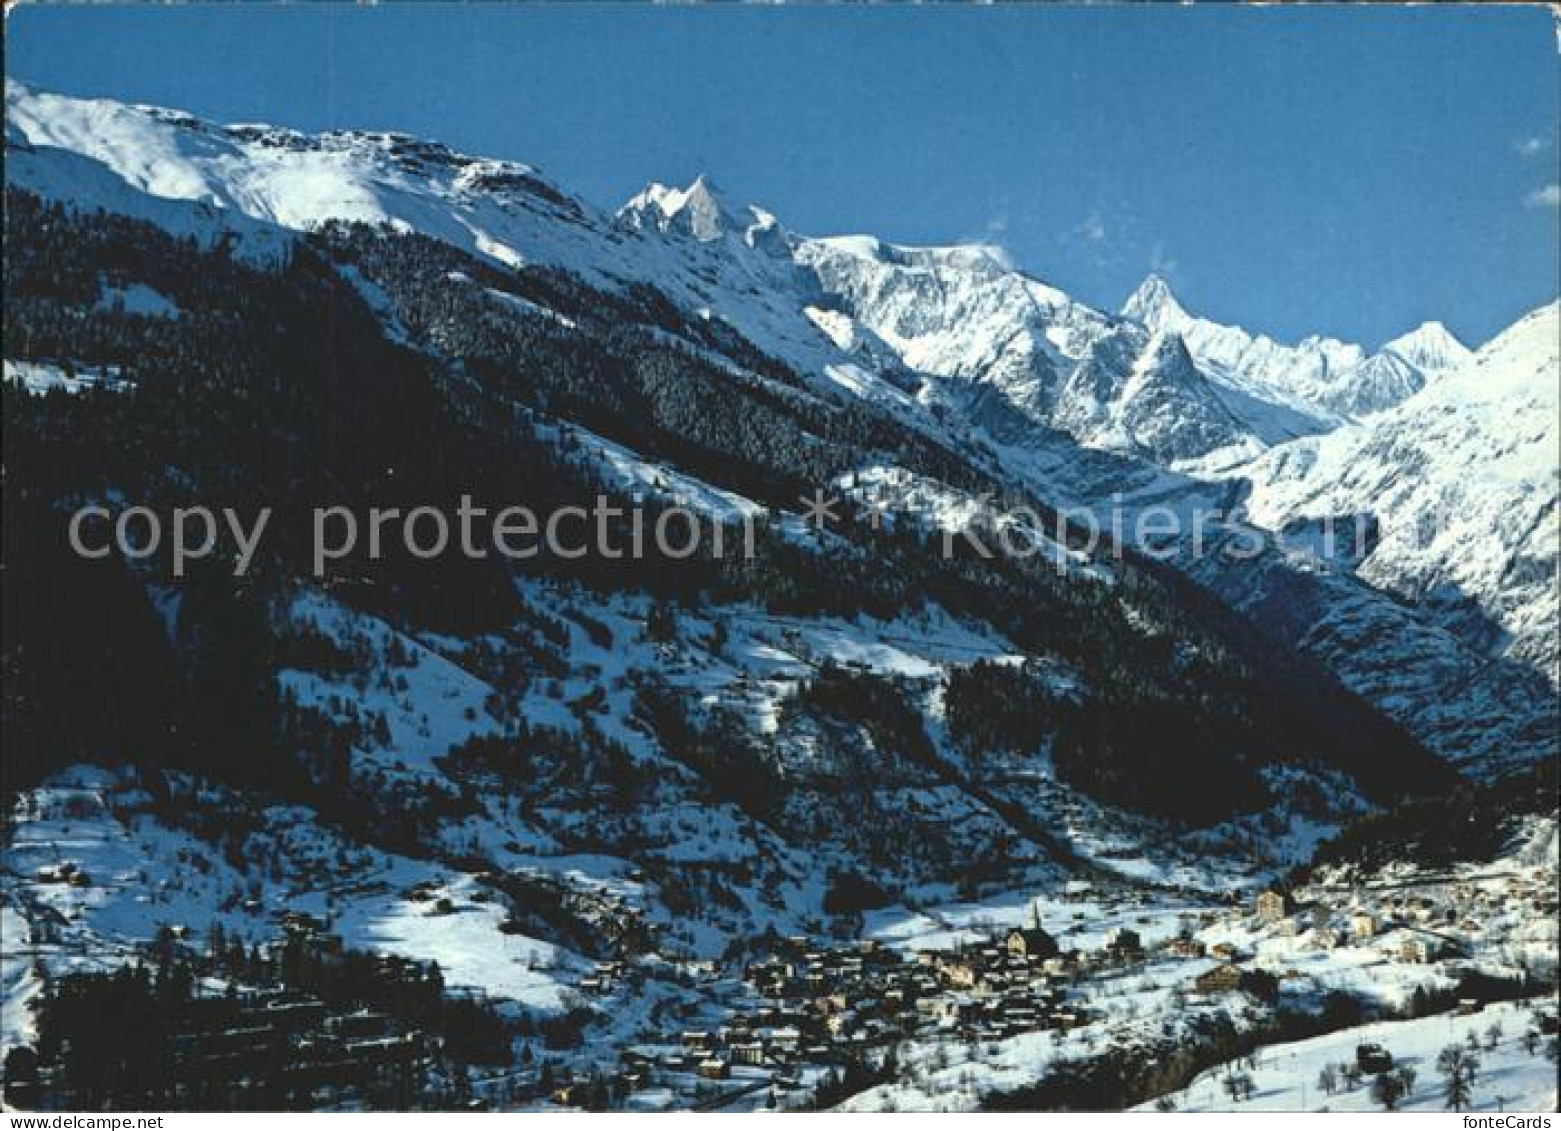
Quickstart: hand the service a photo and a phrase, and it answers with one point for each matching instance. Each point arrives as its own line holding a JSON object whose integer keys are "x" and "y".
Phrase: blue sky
{"x": 1323, "y": 170}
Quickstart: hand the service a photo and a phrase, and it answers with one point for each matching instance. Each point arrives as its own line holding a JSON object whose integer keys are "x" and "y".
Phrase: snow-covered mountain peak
{"x": 1323, "y": 379}
{"x": 1340, "y": 356}
{"x": 93, "y": 150}
{"x": 1430, "y": 346}
{"x": 1155, "y": 305}
{"x": 699, "y": 210}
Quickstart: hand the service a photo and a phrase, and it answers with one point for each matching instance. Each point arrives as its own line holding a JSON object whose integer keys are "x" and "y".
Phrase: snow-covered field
{"x": 1286, "y": 1077}
{"x": 140, "y": 874}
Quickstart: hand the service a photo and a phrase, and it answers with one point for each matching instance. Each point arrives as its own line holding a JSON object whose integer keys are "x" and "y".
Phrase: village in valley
{"x": 1434, "y": 946}
{"x": 950, "y": 1009}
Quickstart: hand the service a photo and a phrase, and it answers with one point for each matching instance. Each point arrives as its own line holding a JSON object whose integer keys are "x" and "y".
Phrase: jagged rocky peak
{"x": 705, "y": 213}
{"x": 700, "y": 210}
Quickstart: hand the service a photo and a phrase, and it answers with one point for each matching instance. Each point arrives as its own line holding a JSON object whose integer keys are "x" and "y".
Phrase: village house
{"x": 1124, "y": 944}
{"x": 1221, "y": 979}
{"x": 748, "y": 1052}
{"x": 957, "y": 970}
{"x": 1272, "y": 906}
{"x": 1363, "y": 925}
{"x": 1030, "y": 942}
{"x": 1373, "y": 1058}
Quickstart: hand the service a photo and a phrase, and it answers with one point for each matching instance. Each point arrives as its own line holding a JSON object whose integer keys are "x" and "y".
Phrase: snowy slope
{"x": 1462, "y": 481}
{"x": 1511, "y": 1078}
{"x": 290, "y": 180}
{"x": 958, "y": 312}
{"x": 258, "y": 183}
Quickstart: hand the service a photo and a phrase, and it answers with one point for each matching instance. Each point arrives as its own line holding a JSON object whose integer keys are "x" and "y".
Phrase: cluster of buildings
{"x": 1417, "y": 923}
{"x": 821, "y": 1004}
{"x": 63, "y": 873}
{"x": 864, "y": 995}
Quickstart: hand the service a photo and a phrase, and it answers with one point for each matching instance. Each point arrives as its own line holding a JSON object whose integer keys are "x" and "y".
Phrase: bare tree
{"x": 1459, "y": 1068}
{"x": 1388, "y": 1089}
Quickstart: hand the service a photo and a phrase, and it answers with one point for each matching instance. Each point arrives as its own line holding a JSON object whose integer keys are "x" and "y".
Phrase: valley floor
{"x": 965, "y": 1021}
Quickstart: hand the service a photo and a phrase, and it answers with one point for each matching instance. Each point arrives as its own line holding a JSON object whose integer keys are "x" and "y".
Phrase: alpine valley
{"x": 868, "y": 817}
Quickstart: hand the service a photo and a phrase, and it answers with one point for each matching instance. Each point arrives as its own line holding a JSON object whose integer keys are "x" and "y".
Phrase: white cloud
{"x": 1093, "y": 229}
{"x": 1101, "y": 243}
{"x": 1547, "y": 196}
{"x": 1532, "y": 145}
{"x": 992, "y": 236}
{"x": 1112, "y": 235}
